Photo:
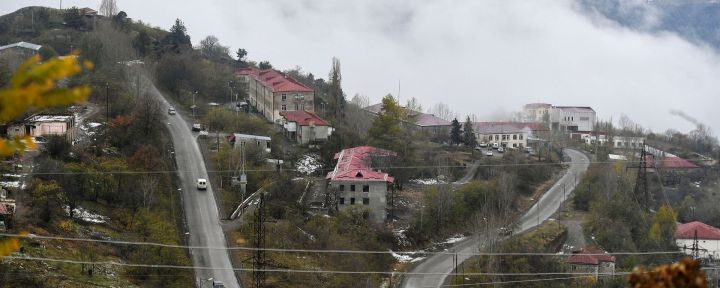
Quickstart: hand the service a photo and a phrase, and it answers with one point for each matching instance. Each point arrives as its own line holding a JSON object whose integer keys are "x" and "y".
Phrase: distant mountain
{"x": 695, "y": 20}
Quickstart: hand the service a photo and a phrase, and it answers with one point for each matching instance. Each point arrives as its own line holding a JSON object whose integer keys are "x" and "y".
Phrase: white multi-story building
{"x": 572, "y": 118}
{"x": 506, "y": 134}
{"x": 620, "y": 142}
{"x": 707, "y": 237}
{"x": 536, "y": 112}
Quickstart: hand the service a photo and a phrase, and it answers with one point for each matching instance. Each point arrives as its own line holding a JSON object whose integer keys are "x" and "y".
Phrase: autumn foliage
{"x": 686, "y": 273}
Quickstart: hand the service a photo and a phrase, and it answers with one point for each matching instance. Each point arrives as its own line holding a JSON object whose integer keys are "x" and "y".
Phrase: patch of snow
{"x": 428, "y": 181}
{"x": 454, "y": 239}
{"x": 308, "y": 164}
{"x": 12, "y": 175}
{"x": 11, "y": 184}
{"x": 94, "y": 124}
{"x": 85, "y": 215}
{"x": 405, "y": 258}
{"x": 401, "y": 238}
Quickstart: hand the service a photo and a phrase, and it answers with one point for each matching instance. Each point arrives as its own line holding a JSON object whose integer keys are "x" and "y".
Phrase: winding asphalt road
{"x": 201, "y": 211}
{"x": 439, "y": 266}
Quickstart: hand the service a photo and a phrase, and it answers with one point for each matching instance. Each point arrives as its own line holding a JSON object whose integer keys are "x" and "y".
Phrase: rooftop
{"x": 537, "y": 105}
{"x": 275, "y": 80}
{"x": 304, "y": 118}
{"x": 421, "y": 119}
{"x": 507, "y": 127}
{"x": 354, "y": 164}
{"x": 590, "y": 256}
{"x": 235, "y": 136}
{"x": 49, "y": 118}
{"x": 704, "y": 231}
{"x": 575, "y": 108}
{"x": 26, "y": 45}
{"x": 672, "y": 162}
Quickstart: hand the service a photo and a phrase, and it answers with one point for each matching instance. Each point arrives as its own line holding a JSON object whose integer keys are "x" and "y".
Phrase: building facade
{"x": 305, "y": 127}
{"x": 237, "y": 140}
{"x": 271, "y": 92}
{"x": 618, "y": 142}
{"x": 357, "y": 183}
{"x": 506, "y": 134}
{"x": 592, "y": 260}
{"x": 572, "y": 119}
{"x": 44, "y": 125}
{"x": 706, "y": 236}
{"x": 536, "y": 112}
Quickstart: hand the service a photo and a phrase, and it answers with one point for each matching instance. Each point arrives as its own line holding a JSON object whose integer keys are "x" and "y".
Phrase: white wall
{"x": 712, "y": 246}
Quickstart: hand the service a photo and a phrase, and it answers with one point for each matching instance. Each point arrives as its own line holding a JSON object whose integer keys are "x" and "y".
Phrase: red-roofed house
{"x": 671, "y": 168}
{"x": 305, "y": 127}
{"x": 708, "y": 238}
{"x": 271, "y": 91}
{"x": 358, "y": 184}
{"x": 427, "y": 123}
{"x": 592, "y": 260}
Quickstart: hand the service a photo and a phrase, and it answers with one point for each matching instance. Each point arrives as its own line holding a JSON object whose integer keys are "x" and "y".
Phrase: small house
{"x": 592, "y": 260}
{"x": 703, "y": 237}
{"x": 237, "y": 140}
{"x": 305, "y": 127}
{"x": 44, "y": 125}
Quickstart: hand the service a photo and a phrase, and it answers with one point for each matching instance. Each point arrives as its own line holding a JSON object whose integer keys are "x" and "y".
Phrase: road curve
{"x": 201, "y": 211}
{"x": 439, "y": 266}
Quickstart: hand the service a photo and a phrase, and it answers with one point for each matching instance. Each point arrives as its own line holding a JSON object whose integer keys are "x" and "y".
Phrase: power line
{"x": 32, "y": 236}
{"x": 532, "y": 280}
{"x": 326, "y": 169}
{"x": 301, "y": 271}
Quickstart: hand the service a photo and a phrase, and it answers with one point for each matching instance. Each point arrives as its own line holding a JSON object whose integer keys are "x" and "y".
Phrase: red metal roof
{"x": 507, "y": 127}
{"x": 275, "y": 80}
{"x": 704, "y": 231}
{"x": 354, "y": 164}
{"x": 672, "y": 162}
{"x": 304, "y": 118}
{"x": 590, "y": 256}
{"x": 421, "y": 119}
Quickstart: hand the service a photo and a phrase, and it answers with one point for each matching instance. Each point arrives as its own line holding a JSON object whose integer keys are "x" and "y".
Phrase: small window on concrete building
{"x": 366, "y": 201}
{"x": 352, "y": 188}
{"x": 284, "y": 107}
{"x": 284, "y": 97}
{"x": 366, "y": 188}
{"x": 342, "y": 188}
{"x": 514, "y": 136}
{"x": 521, "y": 137}
{"x": 352, "y": 201}
{"x": 342, "y": 201}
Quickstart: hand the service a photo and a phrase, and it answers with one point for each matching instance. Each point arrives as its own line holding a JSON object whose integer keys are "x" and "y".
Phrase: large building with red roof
{"x": 507, "y": 134}
{"x": 708, "y": 239}
{"x": 271, "y": 92}
{"x": 305, "y": 127}
{"x": 357, "y": 183}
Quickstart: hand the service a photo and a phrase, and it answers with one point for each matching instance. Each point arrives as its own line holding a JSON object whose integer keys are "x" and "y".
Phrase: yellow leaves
{"x": 10, "y": 245}
{"x": 34, "y": 86}
{"x": 686, "y": 273}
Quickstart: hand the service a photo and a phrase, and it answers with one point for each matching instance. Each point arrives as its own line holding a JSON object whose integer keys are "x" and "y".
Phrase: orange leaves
{"x": 10, "y": 245}
{"x": 34, "y": 86}
{"x": 686, "y": 273}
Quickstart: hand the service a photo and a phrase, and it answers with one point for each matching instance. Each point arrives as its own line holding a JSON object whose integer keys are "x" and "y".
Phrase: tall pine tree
{"x": 336, "y": 97}
{"x": 455, "y": 132}
{"x": 468, "y": 134}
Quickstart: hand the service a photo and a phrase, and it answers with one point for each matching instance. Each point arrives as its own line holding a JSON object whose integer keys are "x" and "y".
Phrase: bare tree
{"x": 108, "y": 8}
{"x": 361, "y": 101}
{"x": 442, "y": 110}
{"x": 413, "y": 104}
{"x": 148, "y": 186}
{"x": 210, "y": 47}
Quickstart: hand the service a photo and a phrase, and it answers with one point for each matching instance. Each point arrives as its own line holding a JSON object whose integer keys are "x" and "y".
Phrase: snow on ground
{"x": 401, "y": 238}
{"x": 94, "y": 124}
{"x": 85, "y": 215}
{"x": 12, "y": 175}
{"x": 308, "y": 164}
{"x": 428, "y": 181}
{"x": 11, "y": 184}
{"x": 405, "y": 258}
{"x": 454, "y": 239}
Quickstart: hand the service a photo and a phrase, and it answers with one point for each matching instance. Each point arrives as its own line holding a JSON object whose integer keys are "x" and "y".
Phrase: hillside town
{"x": 134, "y": 158}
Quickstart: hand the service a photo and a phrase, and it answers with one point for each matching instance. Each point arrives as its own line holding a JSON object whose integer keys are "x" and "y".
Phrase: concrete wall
{"x": 567, "y": 120}
{"x": 712, "y": 246}
{"x": 294, "y": 100}
{"x": 306, "y": 134}
{"x": 515, "y": 140}
{"x": 376, "y": 197}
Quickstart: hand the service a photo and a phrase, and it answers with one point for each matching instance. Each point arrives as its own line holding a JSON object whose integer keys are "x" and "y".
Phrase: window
{"x": 521, "y": 137}
{"x": 284, "y": 96}
{"x": 366, "y": 201}
{"x": 352, "y": 201}
{"x": 514, "y": 136}
{"x": 352, "y": 188}
{"x": 284, "y": 107}
{"x": 342, "y": 201}
{"x": 342, "y": 187}
{"x": 514, "y": 145}
{"x": 366, "y": 188}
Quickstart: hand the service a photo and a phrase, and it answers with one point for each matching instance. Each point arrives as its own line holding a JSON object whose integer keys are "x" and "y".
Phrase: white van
{"x": 201, "y": 184}
{"x": 496, "y": 145}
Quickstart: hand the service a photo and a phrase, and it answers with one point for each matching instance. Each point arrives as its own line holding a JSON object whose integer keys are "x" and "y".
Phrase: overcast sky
{"x": 481, "y": 57}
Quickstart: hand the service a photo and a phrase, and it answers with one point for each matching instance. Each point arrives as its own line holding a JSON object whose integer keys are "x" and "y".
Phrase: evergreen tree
{"x": 241, "y": 54}
{"x": 264, "y": 65}
{"x": 336, "y": 101}
{"x": 468, "y": 134}
{"x": 386, "y": 131}
{"x": 455, "y": 136}
{"x": 178, "y": 37}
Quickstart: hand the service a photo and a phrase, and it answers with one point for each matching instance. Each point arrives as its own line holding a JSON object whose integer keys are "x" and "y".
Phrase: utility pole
{"x": 107, "y": 110}
{"x": 641, "y": 182}
{"x": 259, "y": 257}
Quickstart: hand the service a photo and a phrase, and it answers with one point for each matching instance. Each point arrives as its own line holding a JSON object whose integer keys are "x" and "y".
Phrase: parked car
{"x": 201, "y": 184}
{"x": 501, "y": 150}
{"x": 171, "y": 111}
{"x": 203, "y": 134}
{"x": 496, "y": 145}
{"x": 505, "y": 231}
{"x": 196, "y": 127}
{"x": 483, "y": 144}
{"x": 488, "y": 153}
